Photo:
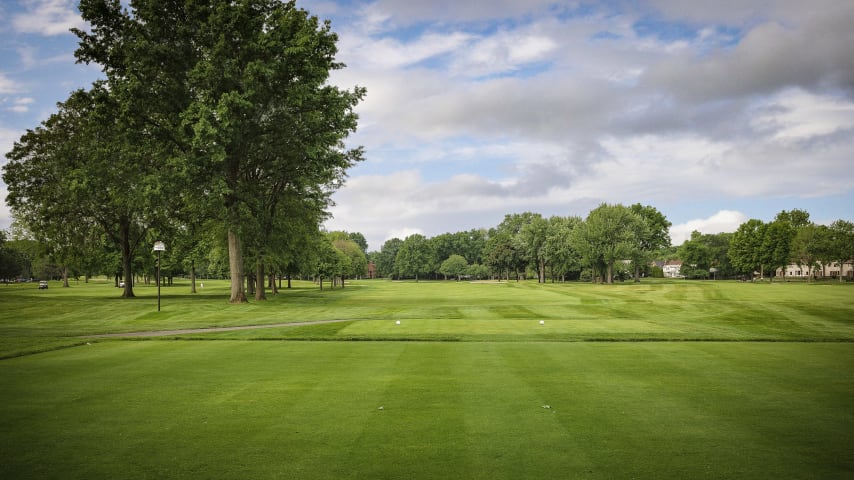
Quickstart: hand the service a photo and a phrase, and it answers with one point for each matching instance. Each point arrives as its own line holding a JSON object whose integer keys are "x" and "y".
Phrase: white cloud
{"x": 723, "y": 221}
{"x": 8, "y": 85}
{"x": 5, "y": 212}
{"x": 797, "y": 115}
{"x": 480, "y": 108}
{"x": 21, "y": 105}
{"x": 506, "y": 51}
{"x": 386, "y": 53}
{"x": 48, "y": 17}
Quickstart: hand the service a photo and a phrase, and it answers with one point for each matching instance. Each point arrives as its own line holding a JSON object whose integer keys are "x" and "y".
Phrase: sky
{"x": 712, "y": 112}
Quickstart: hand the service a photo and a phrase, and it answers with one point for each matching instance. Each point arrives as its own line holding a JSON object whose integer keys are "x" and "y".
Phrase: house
{"x": 831, "y": 270}
{"x": 672, "y": 269}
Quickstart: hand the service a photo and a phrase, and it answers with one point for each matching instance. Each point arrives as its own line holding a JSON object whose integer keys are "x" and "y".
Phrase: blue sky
{"x": 713, "y": 112}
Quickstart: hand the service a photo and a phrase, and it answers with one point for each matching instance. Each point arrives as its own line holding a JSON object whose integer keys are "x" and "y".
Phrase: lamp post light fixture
{"x": 158, "y": 247}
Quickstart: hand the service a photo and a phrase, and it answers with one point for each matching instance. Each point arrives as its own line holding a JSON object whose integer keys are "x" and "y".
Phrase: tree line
{"x": 556, "y": 248}
{"x": 215, "y": 126}
{"x": 760, "y": 248}
{"x": 615, "y": 242}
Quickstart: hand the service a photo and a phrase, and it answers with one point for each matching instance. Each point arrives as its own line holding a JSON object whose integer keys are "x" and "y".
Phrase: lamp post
{"x": 158, "y": 247}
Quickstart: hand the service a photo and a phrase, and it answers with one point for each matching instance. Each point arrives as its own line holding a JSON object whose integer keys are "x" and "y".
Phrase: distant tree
{"x": 468, "y": 244}
{"x": 807, "y": 245}
{"x": 776, "y": 246}
{"x": 652, "y": 235}
{"x": 415, "y": 257}
{"x": 532, "y": 237}
{"x": 508, "y": 249}
{"x": 327, "y": 260}
{"x": 608, "y": 234}
{"x": 501, "y": 255}
{"x": 356, "y": 261}
{"x": 444, "y": 245}
{"x": 478, "y": 271}
{"x": 840, "y": 245}
{"x": 385, "y": 258}
{"x": 360, "y": 241}
{"x": 454, "y": 266}
{"x": 745, "y": 250}
{"x": 795, "y": 218}
{"x": 11, "y": 261}
{"x": 560, "y": 255}
{"x": 706, "y": 254}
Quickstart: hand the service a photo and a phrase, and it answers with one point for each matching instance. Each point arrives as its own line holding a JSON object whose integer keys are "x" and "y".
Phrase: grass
{"x": 657, "y": 380}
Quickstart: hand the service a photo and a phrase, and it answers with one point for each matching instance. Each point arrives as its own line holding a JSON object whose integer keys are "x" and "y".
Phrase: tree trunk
{"x": 637, "y": 272}
{"x": 273, "y": 288}
{"x": 65, "y": 277}
{"x": 260, "y": 292}
{"x": 192, "y": 276}
{"x": 289, "y": 281}
{"x": 127, "y": 266}
{"x": 235, "y": 266}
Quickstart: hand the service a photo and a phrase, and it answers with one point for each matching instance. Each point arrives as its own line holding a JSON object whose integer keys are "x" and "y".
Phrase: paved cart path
{"x": 166, "y": 333}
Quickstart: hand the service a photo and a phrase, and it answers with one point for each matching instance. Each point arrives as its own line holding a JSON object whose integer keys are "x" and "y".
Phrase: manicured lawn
{"x": 237, "y": 409}
{"x": 37, "y": 320}
{"x": 657, "y": 380}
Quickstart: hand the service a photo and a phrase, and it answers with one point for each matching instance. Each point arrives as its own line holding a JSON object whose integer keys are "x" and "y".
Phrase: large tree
{"x": 240, "y": 90}
{"x": 86, "y": 167}
{"x": 609, "y": 234}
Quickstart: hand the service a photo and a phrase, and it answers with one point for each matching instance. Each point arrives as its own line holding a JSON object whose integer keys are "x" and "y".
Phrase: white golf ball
{"x": 397, "y": 322}
{"x": 542, "y": 322}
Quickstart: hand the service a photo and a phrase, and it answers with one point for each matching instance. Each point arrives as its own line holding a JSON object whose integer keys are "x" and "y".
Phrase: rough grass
{"x": 657, "y": 380}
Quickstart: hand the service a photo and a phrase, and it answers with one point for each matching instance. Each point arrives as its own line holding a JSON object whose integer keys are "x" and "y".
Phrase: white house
{"x": 672, "y": 268}
{"x": 831, "y": 270}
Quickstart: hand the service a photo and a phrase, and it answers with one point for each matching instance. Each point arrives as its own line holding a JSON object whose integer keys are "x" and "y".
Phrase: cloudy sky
{"x": 713, "y": 112}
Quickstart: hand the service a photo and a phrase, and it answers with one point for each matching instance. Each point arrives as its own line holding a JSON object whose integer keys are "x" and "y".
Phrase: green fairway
{"x": 38, "y": 320}
{"x": 656, "y": 380}
{"x": 234, "y": 409}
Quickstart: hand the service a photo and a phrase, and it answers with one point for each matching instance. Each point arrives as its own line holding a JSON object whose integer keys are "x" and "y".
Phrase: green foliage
{"x": 241, "y": 108}
{"x": 454, "y": 266}
{"x": 385, "y": 258}
{"x": 560, "y": 253}
{"x": 355, "y": 259}
{"x": 609, "y": 234}
{"x": 745, "y": 247}
{"x": 415, "y": 258}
